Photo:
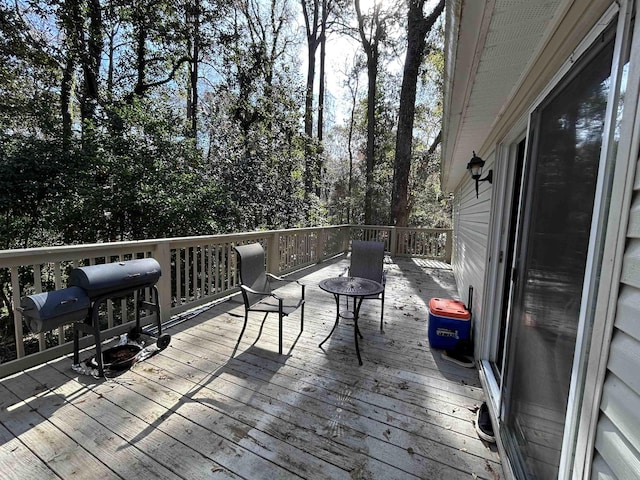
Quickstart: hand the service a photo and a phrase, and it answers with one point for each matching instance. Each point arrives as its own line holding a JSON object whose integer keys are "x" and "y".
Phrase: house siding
{"x": 470, "y": 242}
{"x": 617, "y": 454}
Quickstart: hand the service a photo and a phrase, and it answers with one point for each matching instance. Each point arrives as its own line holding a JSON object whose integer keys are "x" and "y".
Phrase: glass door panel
{"x": 560, "y": 182}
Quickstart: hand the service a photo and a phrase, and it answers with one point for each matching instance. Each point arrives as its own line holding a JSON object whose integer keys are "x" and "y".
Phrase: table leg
{"x": 337, "y": 299}
{"x": 356, "y": 331}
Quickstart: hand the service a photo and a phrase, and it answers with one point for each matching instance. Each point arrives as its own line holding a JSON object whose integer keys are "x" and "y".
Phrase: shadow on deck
{"x": 208, "y": 407}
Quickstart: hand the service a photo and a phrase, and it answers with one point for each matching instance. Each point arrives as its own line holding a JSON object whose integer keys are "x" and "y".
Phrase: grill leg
{"x": 76, "y": 343}
{"x": 96, "y": 336}
{"x": 141, "y": 304}
{"x": 157, "y": 309}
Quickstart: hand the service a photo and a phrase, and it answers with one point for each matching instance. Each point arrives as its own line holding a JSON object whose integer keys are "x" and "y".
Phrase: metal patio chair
{"x": 257, "y": 292}
{"x": 367, "y": 261}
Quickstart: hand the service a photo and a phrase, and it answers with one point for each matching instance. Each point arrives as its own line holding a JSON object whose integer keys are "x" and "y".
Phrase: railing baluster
{"x": 186, "y": 276}
{"x": 57, "y": 279}
{"x": 123, "y": 303}
{"x": 194, "y": 271}
{"x": 229, "y": 277}
{"x": 203, "y": 272}
{"x": 178, "y": 276}
{"x": 216, "y": 271}
{"x": 37, "y": 287}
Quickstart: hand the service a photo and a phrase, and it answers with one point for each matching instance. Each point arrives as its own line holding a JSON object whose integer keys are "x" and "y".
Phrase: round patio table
{"x": 356, "y": 288}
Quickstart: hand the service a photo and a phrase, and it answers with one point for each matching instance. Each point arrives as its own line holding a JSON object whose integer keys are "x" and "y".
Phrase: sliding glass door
{"x": 560, "y": 177}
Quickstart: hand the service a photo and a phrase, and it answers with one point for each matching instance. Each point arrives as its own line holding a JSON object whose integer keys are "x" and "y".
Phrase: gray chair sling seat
{"x": 257, "y": 291}
{"x": 367, "y": 261}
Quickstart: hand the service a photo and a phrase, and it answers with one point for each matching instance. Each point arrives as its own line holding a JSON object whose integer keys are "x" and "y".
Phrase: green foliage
{"x": 145, "y": 181}
{"x": 258, "y": 164}
{"x": 34, "y": 174}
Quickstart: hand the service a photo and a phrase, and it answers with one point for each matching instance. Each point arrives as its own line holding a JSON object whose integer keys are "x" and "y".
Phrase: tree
{"x": 352, "y": 84}
{"x": 254, "y": 113}
{"x": 372, "y": 34}
{"x": 314, "y": 22}
{"x": 417, "y": 29}
{"x": 316, "y": 19}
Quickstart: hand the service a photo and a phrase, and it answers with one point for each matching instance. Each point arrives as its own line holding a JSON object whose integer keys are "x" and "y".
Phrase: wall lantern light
{"x": 475, "y": 169}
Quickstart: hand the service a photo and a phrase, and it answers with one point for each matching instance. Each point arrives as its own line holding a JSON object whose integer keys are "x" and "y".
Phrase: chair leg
{"x": 280, "y": 332}
{"x": 280, "y": 326}
{"x": 246, "y": 317}
{"x": 302, "y": 312}
{"x": 382, "y": 313}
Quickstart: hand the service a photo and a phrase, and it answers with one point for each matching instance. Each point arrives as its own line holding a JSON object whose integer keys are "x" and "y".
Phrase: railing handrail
{"x": 8, "y": 257}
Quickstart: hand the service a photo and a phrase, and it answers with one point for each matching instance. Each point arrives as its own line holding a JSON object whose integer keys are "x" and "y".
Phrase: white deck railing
{"x": 195, "y": 271}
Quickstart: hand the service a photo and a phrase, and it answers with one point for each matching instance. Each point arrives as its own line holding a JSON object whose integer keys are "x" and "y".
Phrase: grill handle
{"x": 71, "y": 300}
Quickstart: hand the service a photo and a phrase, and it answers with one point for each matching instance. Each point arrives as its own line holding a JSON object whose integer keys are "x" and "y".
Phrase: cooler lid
{"x": 445, "y": 307}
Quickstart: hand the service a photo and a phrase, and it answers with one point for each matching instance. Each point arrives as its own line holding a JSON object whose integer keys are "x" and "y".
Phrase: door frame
{"x": 498, "y": 272}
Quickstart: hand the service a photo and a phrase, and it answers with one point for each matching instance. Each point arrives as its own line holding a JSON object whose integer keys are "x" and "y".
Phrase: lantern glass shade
{"x": 475, "y": 166}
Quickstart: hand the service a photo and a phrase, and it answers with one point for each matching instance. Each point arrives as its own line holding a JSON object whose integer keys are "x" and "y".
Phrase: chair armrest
{"x": 384, "y": 277}
{"x": 255, "y": 292}
{"x": 344, "y": 272}
{"x": 281, "y": 279}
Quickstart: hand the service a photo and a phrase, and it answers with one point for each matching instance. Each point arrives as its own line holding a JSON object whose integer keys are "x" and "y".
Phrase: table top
{"x": 351, "y": 286}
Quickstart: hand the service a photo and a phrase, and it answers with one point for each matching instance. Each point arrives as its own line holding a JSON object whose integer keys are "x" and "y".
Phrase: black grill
{"x": 90, "y": 287}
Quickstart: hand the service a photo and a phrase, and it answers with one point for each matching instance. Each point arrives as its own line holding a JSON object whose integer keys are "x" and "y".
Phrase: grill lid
{"x": 117, "y": 277}
{"x": 45, "y": 311}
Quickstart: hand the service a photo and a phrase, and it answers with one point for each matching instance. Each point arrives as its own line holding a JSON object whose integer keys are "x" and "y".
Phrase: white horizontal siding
{"x": 621, "y": 404}
{"x": 617, "y": 445}
{"x": 472, "y": 217}
{"x": 601, "y": 470}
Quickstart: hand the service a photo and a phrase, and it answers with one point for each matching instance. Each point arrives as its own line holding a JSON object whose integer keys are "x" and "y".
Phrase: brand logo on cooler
{"x": 445, "y": 332}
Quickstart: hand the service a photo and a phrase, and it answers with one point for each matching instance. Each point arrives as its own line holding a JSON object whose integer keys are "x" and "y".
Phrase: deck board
{"x": 212, "y": 407}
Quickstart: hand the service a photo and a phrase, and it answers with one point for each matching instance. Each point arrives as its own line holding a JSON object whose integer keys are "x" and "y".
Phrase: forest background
{"x": 123, "y": 120}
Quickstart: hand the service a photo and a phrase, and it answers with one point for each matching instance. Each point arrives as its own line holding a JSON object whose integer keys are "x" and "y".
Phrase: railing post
{"x": 393, "y": 241}
{"x": 17, "y": 315}
{"x": 273, "y": 253}
{"x": 163, "y": 257}
{"x": 448, "y": 246}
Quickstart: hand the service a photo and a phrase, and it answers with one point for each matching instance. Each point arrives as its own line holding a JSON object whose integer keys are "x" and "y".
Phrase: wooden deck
{"x": 203, "y": 408}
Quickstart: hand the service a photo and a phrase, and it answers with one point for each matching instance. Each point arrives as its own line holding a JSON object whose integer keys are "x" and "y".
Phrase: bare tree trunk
{"x": 352, "y": 121}
{"x": 417, "y": 29}
{"x": 372, "y": 71}
{"x": 311, "y": 13}
{"x": 321, "y": 90}
{"x": 70, "y": 17}
{"x": 111, "y": 65}
{"x": 65, "y": 97}
{"x": 309, "y": 180}
{"x": 141, "y": 50}
{"x": 193, "y": 19}
{"x": 370, "y": 46}
{"x": 321, "y": 85}
{"x": 319, "y": 163}
{"x": 92, "y": 54}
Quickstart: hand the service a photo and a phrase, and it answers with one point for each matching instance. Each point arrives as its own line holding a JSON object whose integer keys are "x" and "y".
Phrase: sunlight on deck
{"x": 209, "y": 407}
